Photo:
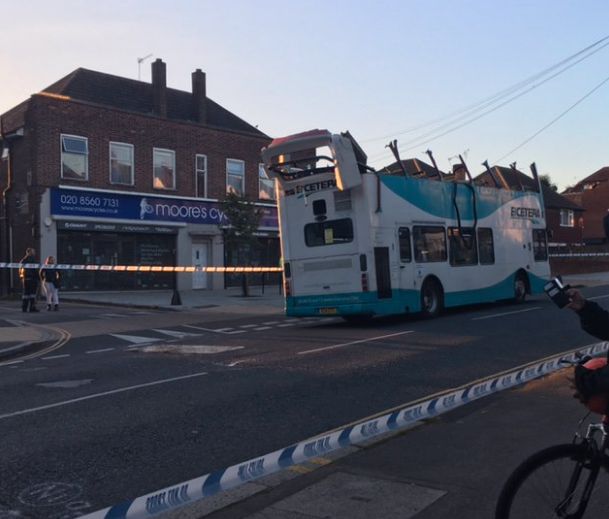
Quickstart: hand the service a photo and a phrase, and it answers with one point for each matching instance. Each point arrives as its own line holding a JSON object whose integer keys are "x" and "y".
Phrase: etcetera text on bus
{"x": 357, "y": 242}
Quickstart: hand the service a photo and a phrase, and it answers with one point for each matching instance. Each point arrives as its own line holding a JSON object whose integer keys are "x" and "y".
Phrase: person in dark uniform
{"x": 29, "y": 281}
{"x": 594, "y": 319}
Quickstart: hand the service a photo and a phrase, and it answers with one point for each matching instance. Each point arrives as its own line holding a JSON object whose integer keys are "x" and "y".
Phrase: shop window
{"x": 74, "y": 157}
{"x": 266, "y": 185}
{"x": 235, "y": 176}
{"x": 164, "y": 169}
{"x": 121, "y": 163}
{"x": 201, "y": 175}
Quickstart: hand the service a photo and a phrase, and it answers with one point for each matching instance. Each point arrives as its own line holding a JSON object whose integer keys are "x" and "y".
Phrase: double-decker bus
{"x": 358, "y": 242}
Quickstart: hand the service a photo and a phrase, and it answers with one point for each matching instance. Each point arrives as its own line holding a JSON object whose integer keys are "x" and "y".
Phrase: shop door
{"x": 199, "y": 259}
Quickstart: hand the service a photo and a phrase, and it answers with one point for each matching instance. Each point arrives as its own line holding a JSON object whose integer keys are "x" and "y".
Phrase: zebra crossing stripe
{"x": 187, "y": 492}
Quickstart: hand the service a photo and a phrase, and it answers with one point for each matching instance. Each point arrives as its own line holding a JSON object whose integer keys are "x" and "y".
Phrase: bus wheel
{"x": 520, "y": 287}
{"x": 431, "y": 298}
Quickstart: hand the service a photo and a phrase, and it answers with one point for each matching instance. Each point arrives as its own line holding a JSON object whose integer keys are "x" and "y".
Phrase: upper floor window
{"x": 121, "y": 163}
{"x": 74, "y": 157}
{"x": 567, "y": 218}
{"x": 235, "y": 176}
{"x": 164, "y": 169}
{"x": 266, "y": 186}
{"x": 201, "y": 175}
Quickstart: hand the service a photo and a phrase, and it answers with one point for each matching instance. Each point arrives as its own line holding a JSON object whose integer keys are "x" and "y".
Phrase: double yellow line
{"x": 63, "y": 337}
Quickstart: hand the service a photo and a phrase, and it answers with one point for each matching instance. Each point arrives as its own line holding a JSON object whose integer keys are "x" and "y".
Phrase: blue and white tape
{"x": 138, "y": 268}
{"x": 188, "y": 492}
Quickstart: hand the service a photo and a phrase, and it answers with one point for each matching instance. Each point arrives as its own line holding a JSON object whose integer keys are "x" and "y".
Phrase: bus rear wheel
{"x": 520, "y": 287}
{"x": 431, "y": 299}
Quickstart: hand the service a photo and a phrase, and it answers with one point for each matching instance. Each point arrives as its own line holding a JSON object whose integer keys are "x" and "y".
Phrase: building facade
{"x": 592, "y": 193}
{"x": 102, "y": 170}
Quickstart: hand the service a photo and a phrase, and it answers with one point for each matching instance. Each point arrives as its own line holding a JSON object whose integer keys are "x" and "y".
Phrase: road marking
{"x": 201, "y": 349}
{"x": 506, "y": 313}
{"x": 100, "y": 351}
{"x": 198, "y": 327}
{"x": 66, "y": 384}
{"x": 236, "y": 331}
{"x": 598, "y": 297}
{"x": 56, "y": 357}
{"x": 271, "y": 323}
{"x": 248, "y": 326}
{"x": 99, "y": 395}
{"x": 335, "y": 346}
{"x": 134, "y": 338}
{"x": 174, "y": 333}
{"x": 285, "y": 325}
{"x": 223, "y": 330}
{"x": 262, "y": 328}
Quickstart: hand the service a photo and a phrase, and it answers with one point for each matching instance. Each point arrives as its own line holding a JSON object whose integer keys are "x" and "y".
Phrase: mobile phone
{"x": 557, "y": 292}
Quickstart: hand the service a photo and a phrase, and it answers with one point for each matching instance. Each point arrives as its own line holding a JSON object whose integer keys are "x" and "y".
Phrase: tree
{"x": 547, "y": 181}
{"x": 239, "y": 237}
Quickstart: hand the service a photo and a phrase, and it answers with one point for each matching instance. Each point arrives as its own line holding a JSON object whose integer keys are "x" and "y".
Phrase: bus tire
{"x": 432, "y": 300}
{"x": 520, "y": 287}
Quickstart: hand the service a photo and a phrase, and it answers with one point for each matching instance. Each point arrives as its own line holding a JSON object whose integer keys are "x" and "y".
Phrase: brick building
{"x": 592, "y": 193}
{"x": 100, "y": 169}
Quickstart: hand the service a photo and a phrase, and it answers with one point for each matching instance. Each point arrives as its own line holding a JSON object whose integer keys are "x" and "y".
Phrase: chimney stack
{"x": 159, "y": 87}
{"x": 199, "y": 97}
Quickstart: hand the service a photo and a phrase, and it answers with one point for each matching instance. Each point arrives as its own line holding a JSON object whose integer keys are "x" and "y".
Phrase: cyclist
{"x": 595, "y": 320}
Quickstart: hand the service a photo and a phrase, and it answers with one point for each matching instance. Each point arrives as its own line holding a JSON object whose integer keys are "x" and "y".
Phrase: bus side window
{"x": 540, "y": 247}
{"x": 404, "y": 242}
{"x": 463, "y": 250}
{"x": 486, "y": 246}
{"x": 429, "y": 243}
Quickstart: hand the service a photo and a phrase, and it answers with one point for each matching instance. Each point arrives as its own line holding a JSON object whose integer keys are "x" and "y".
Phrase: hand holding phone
{"x": 557, "y": 292}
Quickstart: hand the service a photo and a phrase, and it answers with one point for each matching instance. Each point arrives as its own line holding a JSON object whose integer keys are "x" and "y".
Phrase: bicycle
{"x": 560, "y": 481}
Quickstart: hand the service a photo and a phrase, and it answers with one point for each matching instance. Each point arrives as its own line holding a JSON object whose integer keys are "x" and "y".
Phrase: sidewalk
{"x": 453, "y": 466}
{"x": 264, "y": 300}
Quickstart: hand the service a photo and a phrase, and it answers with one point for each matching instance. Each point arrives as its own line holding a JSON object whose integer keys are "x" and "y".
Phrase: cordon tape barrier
{"x": 188, "y": 492}
{"x": 137, "y": 268}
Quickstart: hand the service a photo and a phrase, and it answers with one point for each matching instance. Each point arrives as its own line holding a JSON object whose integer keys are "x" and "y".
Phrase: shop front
{"x": 98, "y": 227}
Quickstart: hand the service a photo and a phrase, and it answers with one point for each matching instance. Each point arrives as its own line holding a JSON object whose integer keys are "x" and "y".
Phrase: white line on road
{"x": 335, "y": 346}
{"x": 262, "y": 328}
{"x": 506, "y": 313}
{"x": 285, "y": 325}
{"x": 598, "y": 297}
{"x": 56, "y": 357}
{"x": 100, "y": 351}
{"x": 248, "y": 326}
{"x": 98, "y": 395}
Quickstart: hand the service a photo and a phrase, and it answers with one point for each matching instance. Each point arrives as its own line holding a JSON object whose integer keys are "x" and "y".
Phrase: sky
{"x": 381, "y": 69}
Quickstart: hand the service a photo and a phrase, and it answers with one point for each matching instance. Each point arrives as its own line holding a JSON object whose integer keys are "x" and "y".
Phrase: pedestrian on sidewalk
{"x": 29, "y": 281}
{"x": 50, "y": 279}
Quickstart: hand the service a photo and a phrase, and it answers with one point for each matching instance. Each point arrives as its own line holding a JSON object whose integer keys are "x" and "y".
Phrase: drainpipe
{"x": 7, "y": 228}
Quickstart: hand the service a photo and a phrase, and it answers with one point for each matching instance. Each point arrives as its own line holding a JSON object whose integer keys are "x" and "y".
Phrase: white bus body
{"x": 356, "y": 242}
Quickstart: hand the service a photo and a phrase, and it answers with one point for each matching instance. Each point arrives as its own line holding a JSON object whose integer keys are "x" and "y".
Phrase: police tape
{"x": 138, "y": 268}
{"x": 188, "y": 492}
{"x": 578, "y": 254}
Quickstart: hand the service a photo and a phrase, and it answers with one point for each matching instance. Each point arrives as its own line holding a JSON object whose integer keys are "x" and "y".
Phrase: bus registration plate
{"x": 328, "y": 311}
